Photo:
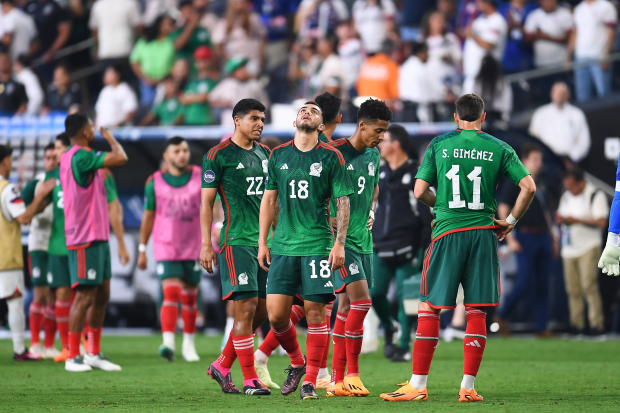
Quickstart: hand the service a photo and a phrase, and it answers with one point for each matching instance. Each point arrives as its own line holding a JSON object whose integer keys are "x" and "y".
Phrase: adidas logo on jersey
{"x": 329, "y": 284}
{"x": 240, "y": 166}
{"x": 350, "y": 167}
{"x": 473, "y": 344}
{"x": 285, "y": 166}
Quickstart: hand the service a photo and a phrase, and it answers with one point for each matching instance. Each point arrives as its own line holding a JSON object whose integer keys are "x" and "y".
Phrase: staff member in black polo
{"x": 13, "y": 98}
{"x": 400, "y": 232}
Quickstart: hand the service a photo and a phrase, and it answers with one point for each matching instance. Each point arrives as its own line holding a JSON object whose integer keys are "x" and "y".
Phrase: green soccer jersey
{"x": 305, "y": 182}
{"x": 198, "y": 113}
{"x": 175, "y": 181}
{"x": 58, "y": 242}
{"x": 199, "y": 37}
{"x": 239, "y": 176}
{"x": 363, "y": 169}
{"x": 467, "y": 166}
{"x": 168, "y": 111}
{"x": 324, "y": 138}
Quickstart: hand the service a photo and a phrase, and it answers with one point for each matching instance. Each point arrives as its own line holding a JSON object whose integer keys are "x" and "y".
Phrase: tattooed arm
{"x": 336, "y": 256}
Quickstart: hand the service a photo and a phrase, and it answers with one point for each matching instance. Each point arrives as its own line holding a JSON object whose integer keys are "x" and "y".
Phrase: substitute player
{"x": 237, "y": 169}
{"x": 87, "y": 230}
{"x": 172, "y": 215}
{"x": 355, "y": 277}
{"x": 466, "y": 164}
{"x": 303, "y": 175}
{"x": 41, "y": 311}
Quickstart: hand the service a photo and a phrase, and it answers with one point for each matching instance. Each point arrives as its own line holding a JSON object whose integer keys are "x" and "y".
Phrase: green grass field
{"x": 516, "y": 375}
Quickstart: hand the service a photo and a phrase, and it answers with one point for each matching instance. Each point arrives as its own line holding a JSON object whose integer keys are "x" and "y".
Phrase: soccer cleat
{"x": 466, "y": 396}
{"x": 406, "y": 393}
{"x": 63, "y": 356}
{"x": 189, "y": 352}
{"x": 354, "y": 385}
{"x": 390, "y": 337}
{"x": 26, "y": 356}
{"x": 166, "y": 352}
{"x": 307, "y": 392}
{"x": 77, "y": 365}
{"x": 264, "y": 376}
{"x": 322, "y": 383}
{"x": 337, "y": 390}
{"x": 401, "y": 355}
{"x": 50, "y": 353}
{"x": 257, "y": 389}
{"x": 293, "y": 377}
{"x": 225, "y": 382}
{"x": 36, "y": 350}
{"x": 100, "y": 362}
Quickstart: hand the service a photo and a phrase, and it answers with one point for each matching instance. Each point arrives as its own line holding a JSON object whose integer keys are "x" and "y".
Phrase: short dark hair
{"x": 75, "y": 123}
{"x": 5, "y": 152}
{"x": 574, "y": 172}
{"x": 528, "y": 148}
{"x": 469, "y": 107}
{"x": 330, "y": 105}
{"x": 24, "y": 60}
{"x": 245, "y": 106}
{"x": 373, "y": 110}
{"x": 49, "y": 147}
{"x": 64, "y": 139}
{"x": 175, "y": 140}
{"x": 400, "y": 134}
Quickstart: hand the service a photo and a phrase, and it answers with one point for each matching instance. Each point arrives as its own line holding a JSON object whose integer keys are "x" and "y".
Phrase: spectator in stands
{"x": 518, "y": 55}
{"x": 411, "y": 17}
{"x": 465, "y": 15}
{"x": 378, "y": 76}
{"x": 208, "y": 19}
{"x": 62, "y": 95}
{"x": 444, "y": 50}
{"x": 591, "y": 41}
{"x": 582, "y": 213}
{"x": 534, "y": 244}
{"x": 317, "y": 18}
{"x": 196, "y": 94}
{"x": 562, "y": 126}
{"x": 152, "y": 57}
{"x": 113, "y": 24}
{"x": 169, "y": 112}
{"x": 447, "y": 8}
{"x": 189, "y": 35}
{"x": 54, "y": 28}
{"x": 18, "y": 33}
{"x": 13, "y": 99}
{"x": 496, "y": 92}
{"x": 241, "y": 34}
{"x": 180, "y": 74}
{"x": 34, "y": 91}
{"x": 487, "y": 34}
{"x": 423, "y": 94}
{"x": 350, "y": 52}
{"x": 373, "y": 19}
{"x": 117, "y": 102}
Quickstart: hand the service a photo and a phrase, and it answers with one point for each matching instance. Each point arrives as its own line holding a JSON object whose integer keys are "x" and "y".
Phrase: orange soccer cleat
{"x": 337, "y": 390}
{"x": 466, "y": 396}
{"x": 406, "y": 393}
{"x": 354, "y": 385}
{"x": 63, "y": 356}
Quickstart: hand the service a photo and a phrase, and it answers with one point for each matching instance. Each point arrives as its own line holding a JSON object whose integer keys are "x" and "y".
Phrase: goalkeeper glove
{"x": 609, "y": 261}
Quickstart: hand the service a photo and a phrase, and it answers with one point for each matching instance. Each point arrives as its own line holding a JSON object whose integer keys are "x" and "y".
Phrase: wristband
{"x": 141, "y": 248}
{"x": 512, "y": 220}
{"x": 371, "y": 214}
{"x": 613, "y": 239}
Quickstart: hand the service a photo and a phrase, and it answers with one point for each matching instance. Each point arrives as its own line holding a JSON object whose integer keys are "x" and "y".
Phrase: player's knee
{"x": 314, "y": 315}
{"x": 279, "y": 320}
{"x": 344, "y": 306}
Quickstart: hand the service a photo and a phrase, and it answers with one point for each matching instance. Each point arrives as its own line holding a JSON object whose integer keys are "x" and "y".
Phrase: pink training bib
{"x": 176, "y": 230}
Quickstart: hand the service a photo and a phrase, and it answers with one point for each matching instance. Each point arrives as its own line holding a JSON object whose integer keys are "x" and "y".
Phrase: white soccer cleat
{"x": 98, "y": 361}
{"x": 263, "y": 374}
{"x": 77, "y": 365}
{"x": 322, "y": 382}
{"x": 36, "y": 350}
{"x": 50, "y": 352}
{"x": 189, "y": 352}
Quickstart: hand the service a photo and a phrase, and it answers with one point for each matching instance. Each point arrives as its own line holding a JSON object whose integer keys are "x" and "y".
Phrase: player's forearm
{"x": 528, "y": 191}
{"x": 206, "y": 217}
{"x": 375, "y": 198}
{"x": 115, "y": 210}
{"x": 428, "y": 197}
{"x": 342, "y": 218}
{"x": 117, "y": 155}
{"x": 502, "y": 211}
{"x": 146, "y": 226}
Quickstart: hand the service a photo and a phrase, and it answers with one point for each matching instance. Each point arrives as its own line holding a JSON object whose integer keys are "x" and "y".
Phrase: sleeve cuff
{"x": 613, "y": 239}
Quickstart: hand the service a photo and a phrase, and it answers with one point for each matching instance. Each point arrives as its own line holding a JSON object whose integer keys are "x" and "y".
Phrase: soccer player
{"x": 172, "y": 215}
{"x": 610, "y": 258}
{"x": 41, "y": 310}
{"x": 355, "y": 277}
{"x": 13, "y": 214}
{"x": 466, "y": 164}
{"x": 330, "y": 105}
{"x": 237, "y": 169}
{"x": 87, "y": 230}
{"x": 303, "y": 175}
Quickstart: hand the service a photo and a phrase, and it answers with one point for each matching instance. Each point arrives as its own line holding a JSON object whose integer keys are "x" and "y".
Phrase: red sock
{"x": 228, "y": 356}
{"x": 270, "y": 343}
{"x": 318, "y": 337}
{"x": 62, "y": 320}
{"x": 36, "y": 322}
{"x": 426, "y": 338}
{"x": 328, "y": 315}
{"x": 189, "y": 310}
{"x": 94, "y": 340}
{"x": 475, "y": 340}
{"x": 354, "y": 333}
{"x": 170, "y": 307}
{"x": 50, "y": 326}
{"x": 287, "y": 337}
{"x": 339, "y": 358}
{"x": 244, "y": 347}
{"x": 74, "y": 344}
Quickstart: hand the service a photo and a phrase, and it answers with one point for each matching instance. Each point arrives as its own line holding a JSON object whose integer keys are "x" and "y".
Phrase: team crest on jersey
{"x": 265, "y": 163}
{"x": 50, "y": 278}
{"x": 209, "y": 176}
{"x": 316, "y": 168}
{"x": 243, "y": 279}
{"x": 371, "y": 169}
{"x": 353, "y": 269}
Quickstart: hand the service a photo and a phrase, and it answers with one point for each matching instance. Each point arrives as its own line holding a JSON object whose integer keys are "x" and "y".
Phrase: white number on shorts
{"x": 302, "y": 189}
{"x": 457, "y": 202}
{"x": 325, "y": 272}
{"x": 259, "y": 181}
{"x": 361, "y": 182}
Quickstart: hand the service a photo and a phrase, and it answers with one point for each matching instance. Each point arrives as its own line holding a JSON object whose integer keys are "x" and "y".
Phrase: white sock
{"x": 468, "y": 382}
{"x": 261, "y": 357}
{"x": 323, "y": 371}
{"x": 230, "y": 321}
{"x": 169, "y": 339}
{"x": 418, "y": 382}
{"x": 189, "y": 338}
{"x": 17, "y": 323}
